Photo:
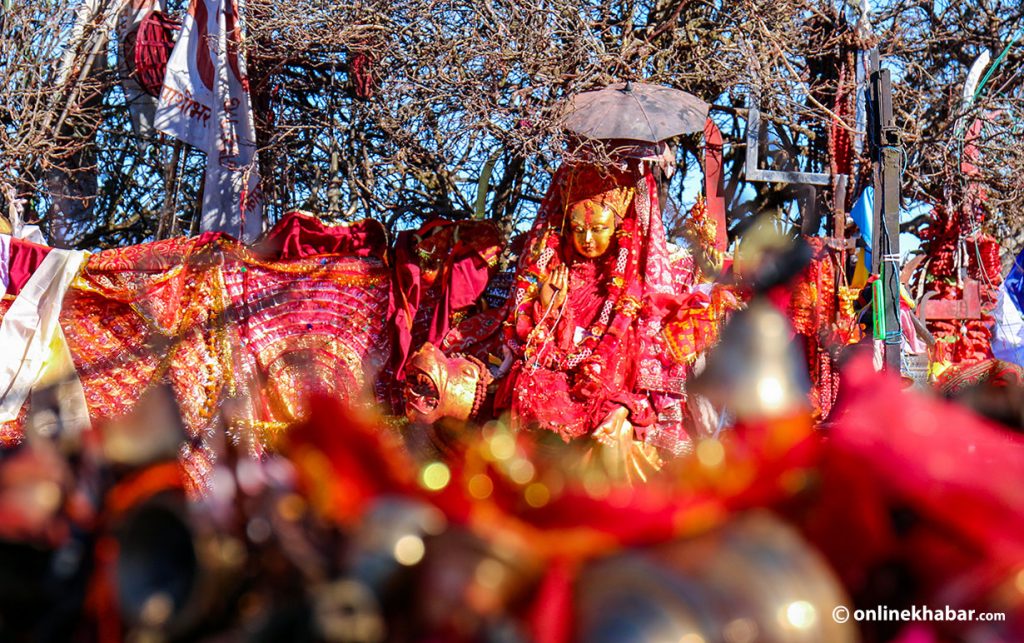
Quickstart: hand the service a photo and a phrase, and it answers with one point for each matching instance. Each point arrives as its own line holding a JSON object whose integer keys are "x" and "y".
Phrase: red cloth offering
{"x": 957, "y": 478}
{"x": 440, "y": 269}
{"x": 25, "y": 258}
{"x": 300, "y": 235}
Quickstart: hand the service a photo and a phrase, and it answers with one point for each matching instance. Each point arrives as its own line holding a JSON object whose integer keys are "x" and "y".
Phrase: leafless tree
{"x": 403, "y": 110}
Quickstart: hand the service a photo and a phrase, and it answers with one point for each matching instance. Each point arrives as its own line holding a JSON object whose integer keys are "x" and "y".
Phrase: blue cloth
{"x": 1008, "y": 334}
{"x": 863, "y": 214}
{"x": 1014, "y": 282}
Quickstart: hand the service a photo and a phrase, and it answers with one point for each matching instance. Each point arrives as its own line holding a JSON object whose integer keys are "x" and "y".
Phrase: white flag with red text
{"x": 205, "y": 103}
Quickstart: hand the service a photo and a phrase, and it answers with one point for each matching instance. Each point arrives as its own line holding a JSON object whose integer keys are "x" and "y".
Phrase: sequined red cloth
{"x": 312, "y": 325}
{"x": 242, "y": 337}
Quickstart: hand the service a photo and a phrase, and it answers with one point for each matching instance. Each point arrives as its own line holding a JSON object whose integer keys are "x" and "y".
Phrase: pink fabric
{"x": 656, "y": 371}
{"x": 912, "y": 343}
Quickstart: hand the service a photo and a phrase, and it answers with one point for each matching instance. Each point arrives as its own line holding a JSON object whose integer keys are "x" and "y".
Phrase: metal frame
{"x": 757, "y": 132}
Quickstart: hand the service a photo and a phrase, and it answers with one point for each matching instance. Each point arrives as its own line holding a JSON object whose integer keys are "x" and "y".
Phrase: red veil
{"x": 569, "y": 387}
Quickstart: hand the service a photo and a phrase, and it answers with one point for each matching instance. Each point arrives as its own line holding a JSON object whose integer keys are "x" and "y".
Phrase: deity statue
{"x": 444, "y": 395}
{"x": 574, "y": 322}
{"x": 602, "y": 327}
{"x": 577, "y": 311}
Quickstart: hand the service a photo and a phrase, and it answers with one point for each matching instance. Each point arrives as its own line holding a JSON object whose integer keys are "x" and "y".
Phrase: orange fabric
{"x": 214, "y": 317}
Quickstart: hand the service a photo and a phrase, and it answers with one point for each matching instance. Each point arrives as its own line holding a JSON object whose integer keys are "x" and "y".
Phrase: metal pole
{"x": 886, "y": 255}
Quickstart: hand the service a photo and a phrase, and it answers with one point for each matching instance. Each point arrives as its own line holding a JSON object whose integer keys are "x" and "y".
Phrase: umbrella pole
{"x": 662, "y": 183}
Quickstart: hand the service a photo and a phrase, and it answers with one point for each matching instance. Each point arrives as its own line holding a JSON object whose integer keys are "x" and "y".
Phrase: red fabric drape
{"x": 405, "y": 299}
{"x": 469, "y": 250}
{"x": 960, "y": 474}
{"x": 713, "y": 189}
{"x": 298, "y": 235}
{"x": 25, "y": 258}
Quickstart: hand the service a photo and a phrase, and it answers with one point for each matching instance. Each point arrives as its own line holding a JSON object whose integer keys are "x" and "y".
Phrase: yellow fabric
{"x": 860, "y": 272}
{"x": 59, "y": 371}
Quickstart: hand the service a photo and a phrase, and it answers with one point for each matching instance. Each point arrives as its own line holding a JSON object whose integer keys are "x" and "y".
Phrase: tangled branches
{"x": 410, "y": 109}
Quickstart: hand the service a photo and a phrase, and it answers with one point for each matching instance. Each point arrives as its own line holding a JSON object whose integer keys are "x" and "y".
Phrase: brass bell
{"x": 757, "y": 371}
{"x": 754, "y": 579}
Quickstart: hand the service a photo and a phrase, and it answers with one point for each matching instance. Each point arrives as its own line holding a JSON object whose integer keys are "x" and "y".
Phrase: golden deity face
{"x": 592, "y": 226}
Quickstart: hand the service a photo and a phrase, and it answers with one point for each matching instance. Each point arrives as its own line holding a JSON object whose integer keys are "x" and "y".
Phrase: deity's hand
{"x": 621, "y": 455}
{"x": 589, "y": 378}
{"x": 555, "y": 287}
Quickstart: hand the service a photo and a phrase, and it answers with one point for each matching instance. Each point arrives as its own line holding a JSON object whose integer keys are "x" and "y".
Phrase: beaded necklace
{"x": 617, "y": 310}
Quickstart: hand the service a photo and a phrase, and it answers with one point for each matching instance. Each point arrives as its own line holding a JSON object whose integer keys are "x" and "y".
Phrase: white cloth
{"x": 30, "y": 334}
{"x": 973, "y": 76}
{"x": 32, "y": 233}
{"x": 1008, "y": 331}
{"x": 205, "y": 103}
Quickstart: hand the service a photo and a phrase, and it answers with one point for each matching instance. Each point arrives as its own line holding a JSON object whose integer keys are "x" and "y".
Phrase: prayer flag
{"x": 1008, "y": 334}
{"x": 862, "y": 214}
{"x": 205, "y": 103}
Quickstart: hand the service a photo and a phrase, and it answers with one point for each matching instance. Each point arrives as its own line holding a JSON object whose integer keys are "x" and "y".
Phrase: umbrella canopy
{"x": 635, "y": 111}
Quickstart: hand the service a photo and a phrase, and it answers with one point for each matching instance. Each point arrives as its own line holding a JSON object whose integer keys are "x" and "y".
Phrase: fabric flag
{"x": 973, "y": 76}
{"x": 1008, "y": 335}
{"x": 205, "y": 103}
{"x": 862, "y": 214}
{"x": 141, "y": 104}
{"x": 73, "y": 185}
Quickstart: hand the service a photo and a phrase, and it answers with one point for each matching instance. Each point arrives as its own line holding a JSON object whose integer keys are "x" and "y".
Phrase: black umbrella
{"x": 635, "y": 111}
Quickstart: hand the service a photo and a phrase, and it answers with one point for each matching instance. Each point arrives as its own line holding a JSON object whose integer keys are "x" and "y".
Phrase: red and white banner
{"x": 205, "y": 103}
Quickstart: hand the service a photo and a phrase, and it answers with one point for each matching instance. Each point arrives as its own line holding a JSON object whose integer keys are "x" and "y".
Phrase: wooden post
{"x": 839, "y": 208}
{"x": 167, "y": 226}
{"x": 885, "y": 256}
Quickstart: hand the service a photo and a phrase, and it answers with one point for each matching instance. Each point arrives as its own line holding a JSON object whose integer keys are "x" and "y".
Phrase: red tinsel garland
{"x": 817, "y": 315}
{"x": 961, "y": 341}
